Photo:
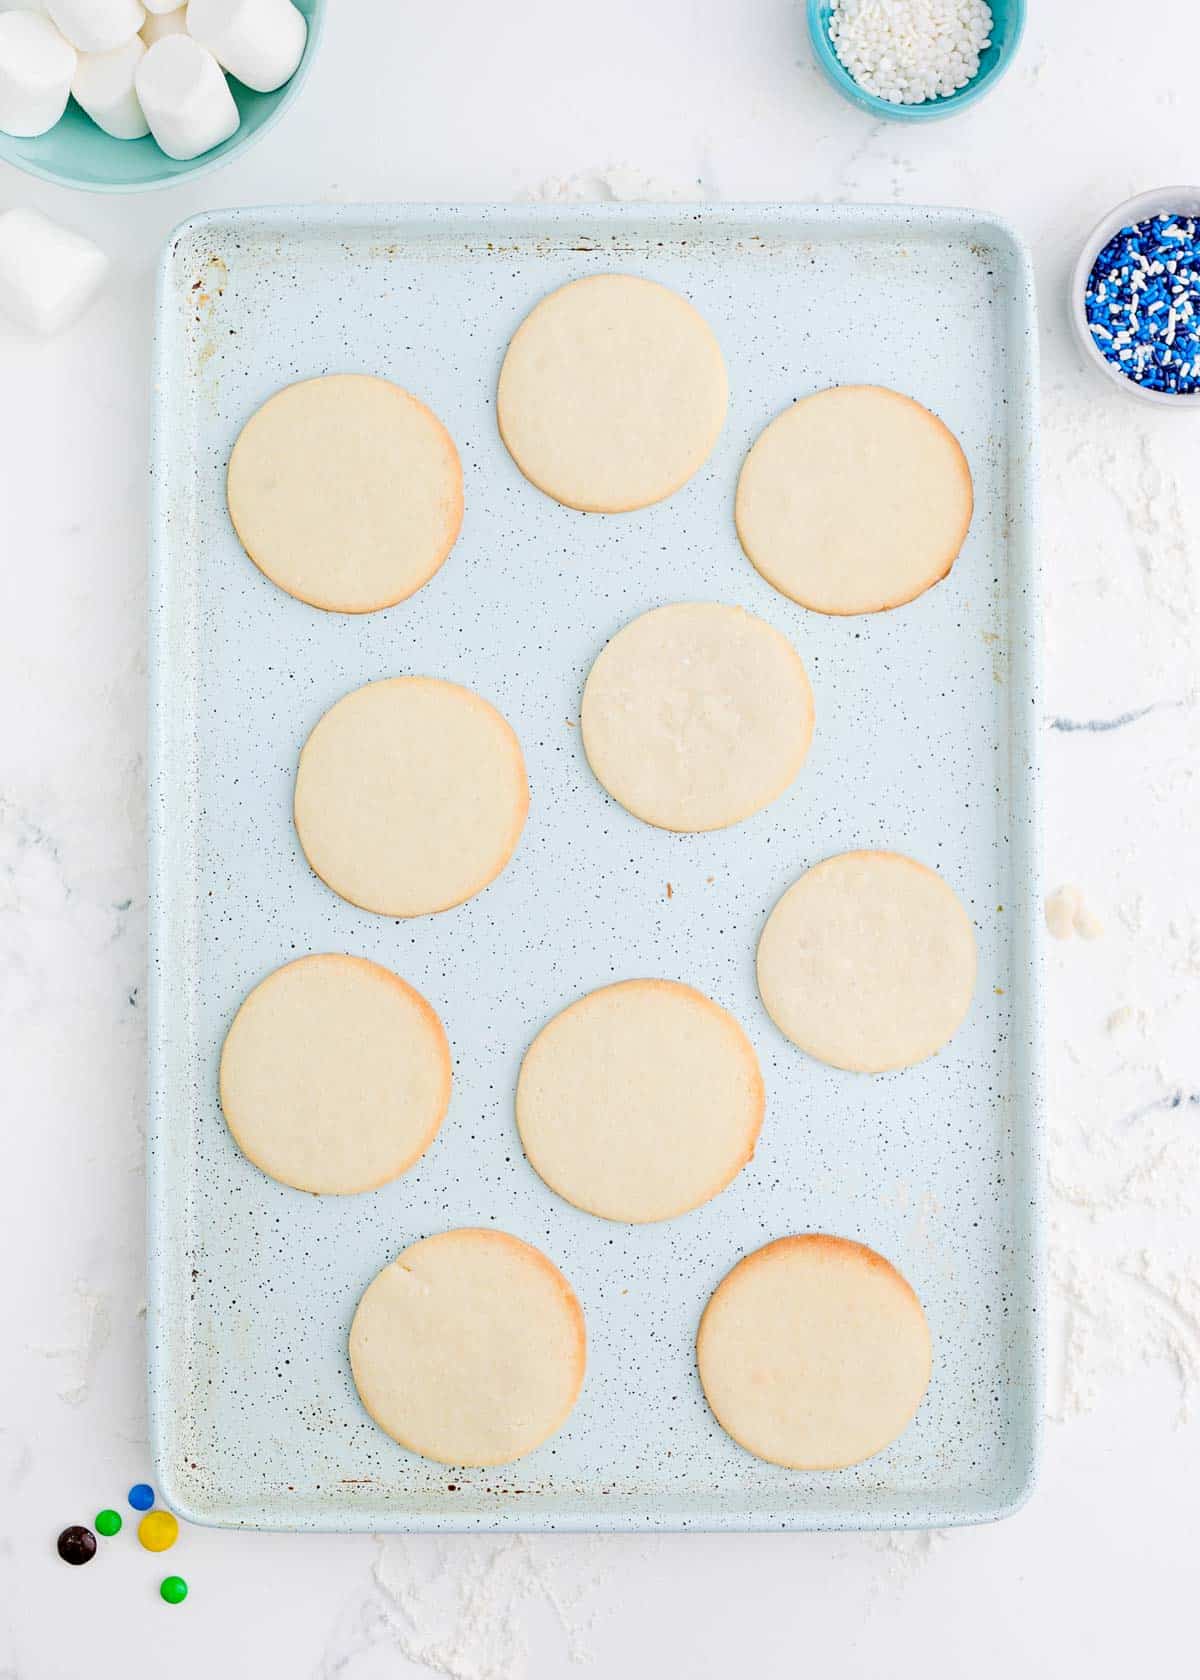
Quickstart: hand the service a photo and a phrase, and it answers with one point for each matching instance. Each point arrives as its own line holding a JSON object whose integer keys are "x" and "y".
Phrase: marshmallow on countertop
{"x": 103, "y": 85}
{"x": 259, "y": 41}
{"x": 185, "y": 97}
{"x": 96, "y": 26}
{"x": 158, "y": 24}
{"x": 48, "y": 275}
{"x": 36, "y": 66}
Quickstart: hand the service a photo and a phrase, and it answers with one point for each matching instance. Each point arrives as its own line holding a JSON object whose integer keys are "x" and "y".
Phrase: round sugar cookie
{"x": 868, "y": 962}
{"x": 469, "y": 1348}
{"x": 640, "y": 1101}
{"x": 612, "y": 393}
{"x": 346, "y": 491}
{"x": 410, "y": 796}
{"x": 814, "y": 1353}
{"x": 335, "y": 1075}
{"x": 854, "y": 500}
{"x": 697, "y": 715}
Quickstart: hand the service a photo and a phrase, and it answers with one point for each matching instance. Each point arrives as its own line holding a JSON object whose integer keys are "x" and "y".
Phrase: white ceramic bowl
{"x": 1164, "y": 201}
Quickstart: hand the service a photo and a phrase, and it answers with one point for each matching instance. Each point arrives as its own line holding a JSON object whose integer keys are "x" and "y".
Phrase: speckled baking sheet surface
{"x": 925, "y": 743}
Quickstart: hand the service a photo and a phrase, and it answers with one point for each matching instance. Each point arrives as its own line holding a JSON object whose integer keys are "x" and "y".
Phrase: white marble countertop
{"x": 702, "y": 98}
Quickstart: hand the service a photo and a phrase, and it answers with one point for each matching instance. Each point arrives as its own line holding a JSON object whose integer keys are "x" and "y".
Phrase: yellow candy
{"x": 158, "y": 1530}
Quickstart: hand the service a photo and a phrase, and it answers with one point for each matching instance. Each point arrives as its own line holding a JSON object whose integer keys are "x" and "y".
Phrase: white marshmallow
{"x": 158, "y": 24}
{"x": 103, "y": 85}
{"x": 161, "y": 8}
{"x": 24, "y": 6}
{"x": 96, "y": 26}
{"x": 36, "y": 66}
{"x": 259, "y": 41}
{"x": 185, "y": 97}
{"x": 48, "y": 275}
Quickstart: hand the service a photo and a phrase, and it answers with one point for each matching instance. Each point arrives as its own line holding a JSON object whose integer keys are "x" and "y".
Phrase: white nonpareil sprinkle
{"x": 908, "y": 51}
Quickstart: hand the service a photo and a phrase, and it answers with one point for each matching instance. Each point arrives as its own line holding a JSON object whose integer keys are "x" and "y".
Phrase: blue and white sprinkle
{"x": 1143, "y": 303}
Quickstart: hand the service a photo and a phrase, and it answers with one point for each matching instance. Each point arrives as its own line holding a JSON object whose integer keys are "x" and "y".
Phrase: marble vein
{"x": 1103, "y": 726}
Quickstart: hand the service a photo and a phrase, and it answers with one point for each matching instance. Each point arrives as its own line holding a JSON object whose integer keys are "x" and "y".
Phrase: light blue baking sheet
{"x": 926, "y": 742}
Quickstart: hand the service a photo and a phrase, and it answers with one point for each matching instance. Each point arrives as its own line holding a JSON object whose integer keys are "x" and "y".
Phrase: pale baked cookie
{"x": 854, "y": 500}
{"x": 814, "y": 1353}
{"x": 346, "y": 491}
{"x": 697, "y": 715}
{"x": 868, "y": 962}
{"x": 410, "y": 796}
{"x": 335, "y": 1075}
{"x": 612, "y": 394}
{"x": 469, "y": 1348}
{"x": 640, "y": 1101}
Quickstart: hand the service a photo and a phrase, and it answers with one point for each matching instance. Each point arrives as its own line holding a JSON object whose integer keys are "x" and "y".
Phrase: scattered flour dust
{"x": 1118, "y": 1315}
{"x": 1183, "y": 943}
{"x": 78, "y": 1356}
{"x": 1123, "y": 1126}
{"x": 907, "y": 1551}
{"x": 1116, "y": 1173}
{"x": 617, "y": 184}
{"x": 460, "y": 1605}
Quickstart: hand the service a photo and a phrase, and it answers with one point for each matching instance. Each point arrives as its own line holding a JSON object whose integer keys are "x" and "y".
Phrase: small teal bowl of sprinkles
{"x": 1135, "y": 297}
{"x": 915, "y": 60}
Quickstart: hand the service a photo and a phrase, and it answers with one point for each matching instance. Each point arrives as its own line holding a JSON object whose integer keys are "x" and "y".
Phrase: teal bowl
{"x": 76, "y": 153}
{"x": 1008, "y": 23}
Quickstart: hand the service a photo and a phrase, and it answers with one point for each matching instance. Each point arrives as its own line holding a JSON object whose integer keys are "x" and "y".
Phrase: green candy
{"x": 108, "y": 1523}
{"x": 174, "y": 1589}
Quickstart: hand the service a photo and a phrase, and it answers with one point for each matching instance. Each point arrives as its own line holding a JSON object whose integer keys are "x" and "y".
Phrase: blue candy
{"x": 1143, "y": 303}
{"x": 141, "y": 1496}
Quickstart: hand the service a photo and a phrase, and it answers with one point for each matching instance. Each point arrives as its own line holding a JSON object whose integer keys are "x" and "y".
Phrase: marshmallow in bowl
{"x": 103, "y": 85}
{"x": 158, "y": 24}
{"x": 36, "y": 66}
{"x": 259, "y": 41}
{"x": 185, "y": 97}
{"x": 48, "y": 274}
{"x": 96, "y": 26}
